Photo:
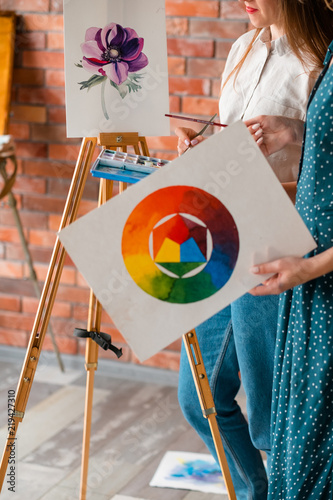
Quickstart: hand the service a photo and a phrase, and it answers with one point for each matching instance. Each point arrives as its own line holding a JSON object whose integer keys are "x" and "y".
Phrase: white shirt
{"x": 272, "y": 81}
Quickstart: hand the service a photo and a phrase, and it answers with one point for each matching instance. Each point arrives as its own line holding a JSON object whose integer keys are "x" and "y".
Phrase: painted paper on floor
{"x": 177, "y": 247}
{"x": 189, "y": 471}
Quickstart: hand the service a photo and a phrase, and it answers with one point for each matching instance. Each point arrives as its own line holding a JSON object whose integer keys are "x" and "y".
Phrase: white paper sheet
{"x": 101, "y": 106}
{"x": 189, "y": 471}
{"x": 223, "y": 196}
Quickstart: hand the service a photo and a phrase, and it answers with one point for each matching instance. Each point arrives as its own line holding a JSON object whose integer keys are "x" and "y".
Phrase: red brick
{"x": 24, "y": 6}
{"x": 233, "y": 10}
{"x": 28, "y": 220}
{"x": 174, "y": 104}
{"x": 43, "y": 204}
{"x": 16, "y": 321}
{"x": 176, "y": 65}
{"x": 48, "y": 133}
{"x": 60, "y": 187}
{"x": 217, "y": 29}
{"x": 11, "y": 269}
{"x": 55, "y": 78}
{"x": 177, "y": 26}
{"x": 42, "y": 238}
{"x": 216, "y": 88}
{"x": 73, "y": 294}
{"x": 65, "y": 345}
{"x": 43, "y": 22}
{"x": 55, "y": 41}
{"x": 91, "y": 189}
{"x": 222, "y": 49}
{"x": 86, "y": 207}
{"x": 54, "y": 222}
{"x": 16, "y": 338}
{"x": 38, "y": 254}
{"x": 16, "y": 287}
{"x": 200, "y": 106}
{"x": 28, "y": 76}
{"x": 64, "y": 152}
{"x": 211, "y": 68}
{"x": 35, "y": 95}
{"x": 31, "y": 149}
{"x": 29, "y": 185}
{"x": 9, "y": 303}
{"x": 48, "y": 168}
{"x": 190, "y": 48}
{"x": 10, "y": 234}
{"x": 189, "y": 86}
{"x": 34, "y": 114}
{"x": 31, "y": 40}
{"x": 19, "y": 130}
{"x": 192, "y": 8}
{"x": 81, "y": 311}
{"x": 43, "y": 59}
{"x": 57, "y": 115}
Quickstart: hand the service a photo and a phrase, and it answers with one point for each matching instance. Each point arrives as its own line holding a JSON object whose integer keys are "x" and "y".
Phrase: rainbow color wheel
{"x": 180, "y": 244}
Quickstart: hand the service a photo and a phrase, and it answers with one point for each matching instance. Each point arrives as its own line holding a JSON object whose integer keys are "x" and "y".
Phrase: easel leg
{"x": 47, "y": 299}
{"x": 94, "y": 321}
{"x": 91, "y": 361}
{"x": 207, "y": 404}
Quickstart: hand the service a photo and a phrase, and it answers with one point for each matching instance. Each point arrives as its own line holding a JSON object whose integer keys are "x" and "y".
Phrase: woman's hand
{"x": 289, "y": 272}
{"x": 292, "y": 271}
{"x": 273, "y": 133}
{"x": 187, "y": 138}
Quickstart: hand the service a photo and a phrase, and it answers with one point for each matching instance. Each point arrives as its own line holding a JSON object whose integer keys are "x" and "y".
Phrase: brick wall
{"x": 200, "y": 33}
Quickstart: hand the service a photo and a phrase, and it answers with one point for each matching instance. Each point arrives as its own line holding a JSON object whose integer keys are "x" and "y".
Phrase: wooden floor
{"x": 135, "y": 422}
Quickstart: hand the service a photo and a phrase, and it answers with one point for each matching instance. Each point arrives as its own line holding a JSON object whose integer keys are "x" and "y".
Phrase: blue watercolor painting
{"x": 189, "y": 471}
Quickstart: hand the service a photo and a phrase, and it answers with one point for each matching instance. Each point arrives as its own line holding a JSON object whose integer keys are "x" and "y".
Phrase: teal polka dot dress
{"x": 302, "y": 411}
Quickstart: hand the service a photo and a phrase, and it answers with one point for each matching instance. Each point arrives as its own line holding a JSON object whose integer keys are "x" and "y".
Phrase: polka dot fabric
{"x": 302, "y": 410}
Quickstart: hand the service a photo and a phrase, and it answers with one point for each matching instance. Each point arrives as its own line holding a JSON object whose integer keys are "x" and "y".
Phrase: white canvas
{"x": 230, "y": 195}
{"x": 102, "y": 107}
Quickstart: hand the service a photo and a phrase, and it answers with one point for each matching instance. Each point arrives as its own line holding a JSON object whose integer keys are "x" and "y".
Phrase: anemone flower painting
{"x": 113, "y": 54}
{"x": 116, "y": 67}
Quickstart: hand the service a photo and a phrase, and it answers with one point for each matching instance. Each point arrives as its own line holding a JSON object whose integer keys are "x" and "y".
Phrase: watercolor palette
{"x": 124, "y": 167}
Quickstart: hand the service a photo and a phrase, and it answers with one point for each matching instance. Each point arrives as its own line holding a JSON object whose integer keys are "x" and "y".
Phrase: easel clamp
{"x": 102, "y": 339}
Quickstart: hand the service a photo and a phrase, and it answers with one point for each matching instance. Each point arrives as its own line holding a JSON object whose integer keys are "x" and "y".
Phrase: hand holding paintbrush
{"x": 188, "y": 137}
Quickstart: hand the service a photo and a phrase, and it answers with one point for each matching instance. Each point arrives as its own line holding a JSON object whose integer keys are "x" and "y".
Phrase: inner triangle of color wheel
{"x": 180, "y": 244}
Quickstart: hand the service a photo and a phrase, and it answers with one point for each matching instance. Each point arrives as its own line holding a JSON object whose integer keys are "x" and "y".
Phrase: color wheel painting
{"x": 180, "y": 244}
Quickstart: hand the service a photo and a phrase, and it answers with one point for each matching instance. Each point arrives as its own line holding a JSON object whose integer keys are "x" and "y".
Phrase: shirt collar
{"x": 280, "y": 45}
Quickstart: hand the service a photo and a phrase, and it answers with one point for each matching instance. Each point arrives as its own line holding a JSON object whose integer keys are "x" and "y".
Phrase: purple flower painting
{"x": 113, "y": 54}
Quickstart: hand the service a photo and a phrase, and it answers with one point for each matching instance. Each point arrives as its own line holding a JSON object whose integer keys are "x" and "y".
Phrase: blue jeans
{"x": 241, "y": 338}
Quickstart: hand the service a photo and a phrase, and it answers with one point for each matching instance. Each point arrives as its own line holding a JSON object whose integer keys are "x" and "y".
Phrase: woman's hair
{"x": 308, "y": 25}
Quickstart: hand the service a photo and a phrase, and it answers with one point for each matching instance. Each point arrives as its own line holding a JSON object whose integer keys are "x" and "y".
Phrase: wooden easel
{"x": 110, "y": 141}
